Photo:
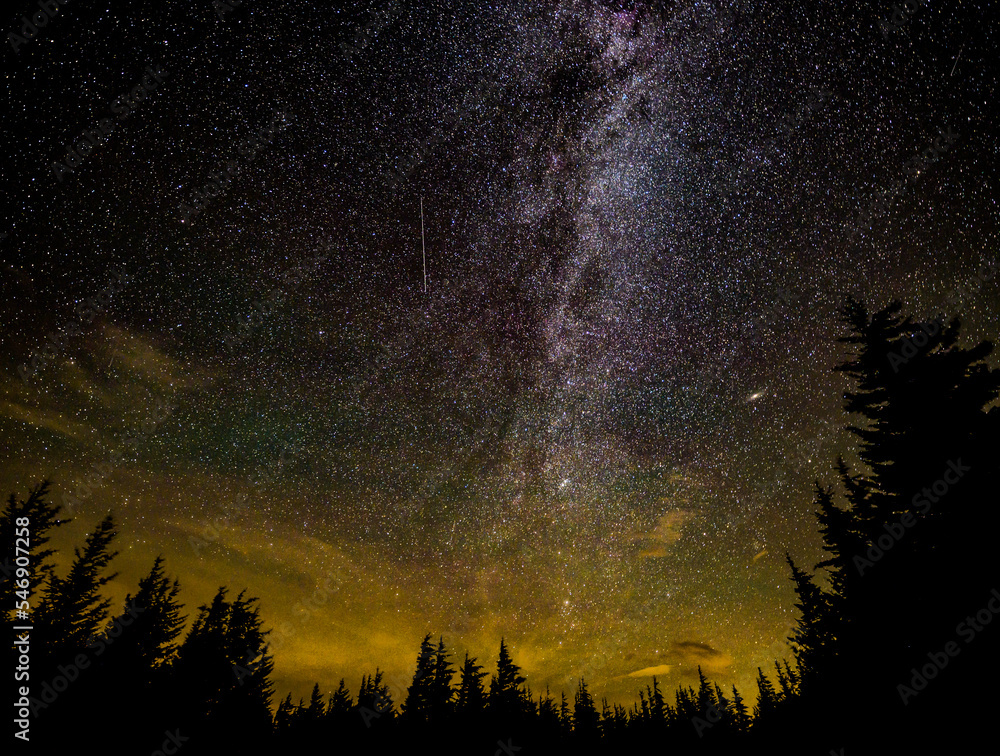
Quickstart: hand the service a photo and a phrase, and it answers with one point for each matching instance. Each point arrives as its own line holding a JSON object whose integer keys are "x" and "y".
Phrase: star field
{"x": 596, "y": 432}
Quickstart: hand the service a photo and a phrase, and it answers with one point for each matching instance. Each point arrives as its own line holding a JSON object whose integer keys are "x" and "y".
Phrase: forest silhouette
{"x": 891, "y": 650}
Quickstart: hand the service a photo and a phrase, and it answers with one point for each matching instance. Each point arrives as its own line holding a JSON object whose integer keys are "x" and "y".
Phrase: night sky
{"x": 595, "y": 433}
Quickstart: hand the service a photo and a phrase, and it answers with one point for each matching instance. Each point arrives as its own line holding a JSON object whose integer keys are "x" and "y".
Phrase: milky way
{"x": 596, "y": 432}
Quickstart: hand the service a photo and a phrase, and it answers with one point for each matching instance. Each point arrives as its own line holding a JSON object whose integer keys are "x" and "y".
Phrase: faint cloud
{"x": 695, "y": 654}
{"x": 50, "y": 420}
{"x": 666, "y": 533}
{"x": 661, "y": 669}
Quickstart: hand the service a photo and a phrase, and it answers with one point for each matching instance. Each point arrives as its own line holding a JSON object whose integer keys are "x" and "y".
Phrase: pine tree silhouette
{"x": 151, "y": 622}
{"x": 657, "y": 706}
{"x": 741, "y": 716}
{"x": 441, "y": 694}
{"x": 565, "y": 720}
{"x": 471, "y": 694}
{"x": 767, "y": 699}
{"x": 504, "y": 697}
{"x": 133, "y": 656}
{"x": 706, "y": 696}
{"x": 339, "y": 709}
{"x": 41, "y": 517}
{"x": 548, "y": 714}
{"x": 585, "y": 717}
{"x": 907, "y": 554}
{"x": 284, "y": 717}
{"x": 416, "y": 708}
{"x": 315, "y": 710}
{"x": 220, "y": 688}
{"x": 72, "y": 609}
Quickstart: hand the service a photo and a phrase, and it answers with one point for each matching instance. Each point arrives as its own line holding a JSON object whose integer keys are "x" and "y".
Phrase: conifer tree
{"x": 767, "y": 699}
{"x": 221, "y": 678}
{"x": 441, "y": 694}
{"x": 41, "y": 516}
{"x": 375, "y": 702}
{"x": 131, "y": 660}
{"x": 812, "y": 639}
{"x": 564, "y": 716}
{"x": 339, "y": 707}
{"x": 548, "y": 714}
{"x": 706, "y": 696}
{"x": 687, "y": 706}
{"x": 657, "y": 708}
{"x": 784, "y": 690}
{"x": 504, "y": 697}
{"x": 72, "y": 609}
{"x": 741, "y": 716}
{"x": 151, "y": 622}
{"x": 585, "y": 717}
{"x": 417, "y": 705}
{"x": 284, "y": 716}
{"x": 315, "y": 709}
{"x": 724, "y": 710}
{"x": 471, "y": 694}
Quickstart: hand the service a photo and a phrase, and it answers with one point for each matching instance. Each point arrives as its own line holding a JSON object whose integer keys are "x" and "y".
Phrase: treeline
{"x": 128, "y": 676}
{"x": 892, "y": 648}
{"x": 123, "y": 676}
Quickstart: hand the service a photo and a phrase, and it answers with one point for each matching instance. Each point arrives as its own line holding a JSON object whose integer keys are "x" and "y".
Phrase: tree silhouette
{"x": 375, "y": 702}
{"x": 471, "y": 694}
{"x": 657, "y": 706}
{"x": 585, "y": 717}
{"x": 133, "y": 656}
{"x": 416, "y": 707}
{"x": 151, "y": 622}
{"x": 441, "y": 694}
{"x": 913, "y": 532}
{"x": 72, "y": 609}
{"x": 565, "y": 720}
{"x": 504, "y": 697}
{"x": 767, "y": 699}
{"x": 41, "y": 517}
{"x": 221, "y": 678}
{"x": 741, "y": 716}
{"x": 906, "y": 557}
